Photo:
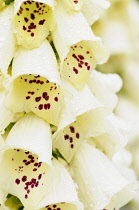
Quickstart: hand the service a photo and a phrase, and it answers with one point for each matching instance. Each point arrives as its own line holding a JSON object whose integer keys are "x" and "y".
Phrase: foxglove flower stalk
{"x": 61, "y": 144}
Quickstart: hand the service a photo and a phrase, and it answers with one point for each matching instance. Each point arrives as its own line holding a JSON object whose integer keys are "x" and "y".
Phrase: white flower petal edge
{"x": 36, "y": 84}
{"x": 79, "y": 49}
{"x": 105, "y": 86}
{"x": 33, "y": 134}
{"x": 32, "y": 21}
{"x": 70, "y": 133}
{"x": 63, "y": 192}
{"x": 101, "y": 181}
{"x": 92, "y": 9}
{"x": 7, "y": 38}
{"x": 5, "y": 114}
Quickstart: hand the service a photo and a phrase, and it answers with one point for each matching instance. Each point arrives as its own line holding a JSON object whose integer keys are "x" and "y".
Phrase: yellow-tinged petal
{"x": 92, "y": 9}
{"x": 24, "y": 176}
{"x": 33, "y": 134}
{"x": 32, "y": 21}
{"x": 36, "y": 84}
{"x": 7, "y": 38}
{"x": 100, "y": 183}
{"x": 79, "y": 49}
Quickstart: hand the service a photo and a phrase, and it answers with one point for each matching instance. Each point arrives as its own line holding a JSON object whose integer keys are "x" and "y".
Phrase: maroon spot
{"x": 24, "y": 28}
{"x": 79, "y": 65}
{"x": 32, "y": 16}
{"x": 54, "y": 206}
{"x": 27, "y": 152}
{"x": 66, "y": 136}
{"x": 40, "y": 107}
{"x": 28, "y": 191}
{"x": 77, "y": 135}
{"x": 75, "y": 70}
{"x": 72, "y": 146}
{"x": 81, "y": 57}
{"x": 37, "y": 99}
{"x": 44, "y": 94}
{"x": 40, "y": 176}
{"x": 47, "y": 106}
{"x": 17, "y": 181}
{"x": 56, "y": 99}
{"x": 27, "y": 9}
{"x": 26, "y": 196}
{"x": 87, "y": 52}
{"x": 28, "y": 97}
{"x": 32, "y": 34}
{"x": 72, "y": 130}
{"x": 24, "y": 178}
{"x": 41, "y": 22}
{"x": 34, "y": 169}
{"x": 26, "y": 19}
{"x": 88, "y": 67}
{"x": 41, "y": 82}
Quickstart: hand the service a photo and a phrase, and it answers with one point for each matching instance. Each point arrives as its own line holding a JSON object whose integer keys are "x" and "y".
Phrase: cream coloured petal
{"x": 5, "y": 114}
{"x": 98, "y": 179}
{"x": 35, "y": 84}
{"x": 104, "y": 87}
{"x": 76, "y": 103}
{"x": 63, "y": 192}
{"x": 7, "y": 38}
{"x": 92, "y": 9}
{"x": 71, "y": 133}
{"x": 33, "y": 134}
{"x": 32, "y": 21}
{"x": 24, "y": 176}
{"x": 78, "y": 48}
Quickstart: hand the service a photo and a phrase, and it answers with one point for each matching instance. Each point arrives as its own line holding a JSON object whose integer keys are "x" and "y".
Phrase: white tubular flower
{"x": 5, "y": 113}
{"x": 100, "y": 183}
{"x": 32, "y": 21}
{"x": 70, "y": 133}
{"x": 36, "y": 83}
{"x": 63, "y": 194}
{"x": 92, "y": 9}
{"x": 78, "y": 48}
{"x": 30, "y": 126}
{"x": 26, "y": 159}
{"x": 104, "y": 87}
{"x": 7, "y": 38}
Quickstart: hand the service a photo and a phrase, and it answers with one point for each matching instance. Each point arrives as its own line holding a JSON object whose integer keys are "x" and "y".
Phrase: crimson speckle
{"x": 47, "y": 106}
{"x": 39, "y": 177}
{"x": 56, "y": 99}
{"x": 26, "y": 19}
{"x": 75, "y": 70}
{"x": 24, "y": 178}
{"x": 37, "y": 99}
{"x": 17, "y": 181}
{"x": 28, "y": 97}
{"x": 72, "y": 130}
{"x": 40, "y": 107}
{"x": 72, "y": 146}
{"x": 32, "y": 34}
{"x": 32, "y": 16}
{"x": 26, "y": 196}
{"x": 77, "y": 135}
{"x": 88, "y": 67}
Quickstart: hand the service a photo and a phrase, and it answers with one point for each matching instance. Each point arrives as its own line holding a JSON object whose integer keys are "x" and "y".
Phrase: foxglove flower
{"x": 36, "y": 83}
{"x": 79, "y": 49}
{"x": 100, "y": 188}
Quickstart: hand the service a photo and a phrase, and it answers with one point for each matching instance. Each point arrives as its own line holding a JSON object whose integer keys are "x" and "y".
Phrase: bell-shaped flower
{"x": 70, "y": 135}
{"x": 7, "y": 38}
{"x": 36, "y": 83}
{"x": 26, "y": 160}
{"x": 99, "y": 181}
{"x": 78, "y": 48}
{"x": 92, "y": 9}
{"x": 32, "y": 21}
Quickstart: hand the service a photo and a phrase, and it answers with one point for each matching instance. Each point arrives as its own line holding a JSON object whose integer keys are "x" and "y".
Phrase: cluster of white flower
{"x": 61, "y": 145}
